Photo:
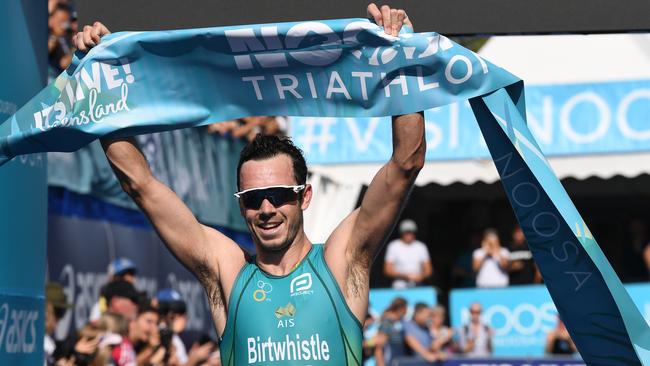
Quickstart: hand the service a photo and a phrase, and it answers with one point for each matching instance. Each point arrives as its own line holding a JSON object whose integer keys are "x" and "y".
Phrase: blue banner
{"x": 136, "y": 82}
{"x": 23, "y": 199}
{"x": 567, "y": 119}
{"x": 522, "y": 316}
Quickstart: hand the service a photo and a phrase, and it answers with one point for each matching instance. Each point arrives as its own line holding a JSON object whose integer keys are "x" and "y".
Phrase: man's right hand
{"x": 90, "y": 36}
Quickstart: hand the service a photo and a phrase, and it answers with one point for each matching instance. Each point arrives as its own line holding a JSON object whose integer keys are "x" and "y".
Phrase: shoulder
{"x": 505, "y": 251}
{"x": 394, "y": 243}
{"x": 421, "y": 246}
{"x": 478, "y": 252}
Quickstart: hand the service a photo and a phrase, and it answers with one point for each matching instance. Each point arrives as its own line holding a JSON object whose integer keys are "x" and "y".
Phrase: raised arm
{"x": 199, "y": 247}
{"x": 366, "y": 229}
{"x": 360, "y": 236}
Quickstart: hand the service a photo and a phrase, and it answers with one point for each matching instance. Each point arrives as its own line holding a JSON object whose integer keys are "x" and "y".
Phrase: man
{"x": 390, "y": 336}
{"x": 407, "y": 260}
{"x": 490, "y": 261}
{"x": 306, "y": 299}
{"x": 522, "y": 268}
{"x": 119, "y": 269}
{"x": 476, "y": 337}
{"x": 417, "y": 335}
{"x": 173, "y": 316}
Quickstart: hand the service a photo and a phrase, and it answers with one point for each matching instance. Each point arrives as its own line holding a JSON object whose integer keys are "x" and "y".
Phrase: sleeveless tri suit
{"x": 298, "y": 319}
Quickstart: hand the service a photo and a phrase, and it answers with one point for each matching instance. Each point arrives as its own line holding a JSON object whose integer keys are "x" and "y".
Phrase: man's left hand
{"x": 391, "y": 19}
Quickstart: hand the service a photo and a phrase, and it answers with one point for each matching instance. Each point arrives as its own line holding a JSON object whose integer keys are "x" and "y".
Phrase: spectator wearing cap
{"x": 173, "y": 315}
{"x": 56, "y": 305}
{"x": 407, "y": 260}
{"x": 121, "y": 269}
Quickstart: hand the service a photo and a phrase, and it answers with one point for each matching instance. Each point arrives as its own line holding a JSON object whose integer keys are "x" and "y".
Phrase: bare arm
{"x": 364, "y": 230}
{"x": 427, "y": 271}
{"x": 421, "y": 350}
{"x": 195, "y": 245}
{"x": 380, "y": 341}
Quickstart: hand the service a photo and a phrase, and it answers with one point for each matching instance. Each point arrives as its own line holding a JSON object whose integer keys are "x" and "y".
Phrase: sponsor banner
{"x": 137, "y": 82}
{"x": 22, "y": 326}
{"x": 522, "y": 316}
{"x": 495, "y": 362}
{"x": 23, "y": 191}
{"x": 576, "y": 119}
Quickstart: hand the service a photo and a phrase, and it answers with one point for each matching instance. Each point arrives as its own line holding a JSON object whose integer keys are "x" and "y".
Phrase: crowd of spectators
{"x": 423, "y": 335}
{"x": 127, "y": 328}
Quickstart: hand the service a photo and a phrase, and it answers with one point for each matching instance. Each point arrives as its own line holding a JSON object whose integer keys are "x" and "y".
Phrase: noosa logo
{"x": 301, "y": 285}
{"x": 271, "y": 50}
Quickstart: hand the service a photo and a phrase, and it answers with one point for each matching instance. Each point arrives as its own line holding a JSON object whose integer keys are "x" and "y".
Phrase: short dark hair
{"x": 268, "y": 146}
{"x": 419, "y": 307}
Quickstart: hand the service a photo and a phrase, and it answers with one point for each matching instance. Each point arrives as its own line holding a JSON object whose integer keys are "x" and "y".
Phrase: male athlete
{"x": 294, "y": 302}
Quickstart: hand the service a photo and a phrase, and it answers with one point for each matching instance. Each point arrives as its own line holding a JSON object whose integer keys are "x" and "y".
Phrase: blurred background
{"x": 588, "y": 99}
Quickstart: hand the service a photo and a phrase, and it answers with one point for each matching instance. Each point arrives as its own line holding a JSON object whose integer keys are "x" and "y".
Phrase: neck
{"x": 282, "y": 262}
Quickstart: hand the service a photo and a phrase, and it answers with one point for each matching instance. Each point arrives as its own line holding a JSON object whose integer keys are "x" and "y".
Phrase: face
{"x": 408, "y": 237}
{"x": 422, "y": 316}
{"x": 145, "y": 326}
{"x": 59, "y": 22}
{"x": 179, "y": 322}
{"x": 518, "y": 236}
{"x": 50, "y": 319}
{"x": 401, "y": 312}
{"x": 475, "y": 312}
{"x": 273, "y": 228}
{"x": 438, "y": 318}
{"x": 121, "y": 305}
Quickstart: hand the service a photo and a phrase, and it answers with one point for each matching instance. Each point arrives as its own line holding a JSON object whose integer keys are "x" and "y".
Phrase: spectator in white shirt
{"x": 407, "y": 260}
{"x": 490, "y": 261}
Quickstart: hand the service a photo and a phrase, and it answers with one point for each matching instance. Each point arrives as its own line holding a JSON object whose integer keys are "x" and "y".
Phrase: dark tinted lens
{"x": 277, "y": 196}
{"x": 280, "y": 196}
{"x": 253, "y": 199}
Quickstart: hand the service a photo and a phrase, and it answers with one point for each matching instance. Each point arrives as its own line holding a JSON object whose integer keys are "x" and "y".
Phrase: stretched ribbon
{"x": 136, "y": 82}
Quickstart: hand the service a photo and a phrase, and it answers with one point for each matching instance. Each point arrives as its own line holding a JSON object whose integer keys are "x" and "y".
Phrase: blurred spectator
{"x": 121, "y": 269}
{"x": 56, "y": 306}
{"x": 151, "y": 346}
{"x": 249, "y": 127}
{"x": 117, "y": 340}
{"x": 442, "y": 344}
{"x": 646, "y": 257}
{"x": 214, "y": 359}
{"x": 490, "y": 261}
{"x": 476, "y": 337}
{"x": 122, "y": 298}
{"x": 173, "y": 316}
{"x": 559, "y": 342}
{"x": 407, "y": 260}
{"x": 59, "y": 43}
{"x": 635, "y": 254}
{"x": 522, "y": 268}
{"x": 87, "y": 348}
{"x": 389, "y": 341}
{"x": 417, "y": 335}
{"x": 369, "y": 339}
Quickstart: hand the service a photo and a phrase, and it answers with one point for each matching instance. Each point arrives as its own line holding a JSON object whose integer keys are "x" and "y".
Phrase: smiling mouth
{"x": 269, "y": 227}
